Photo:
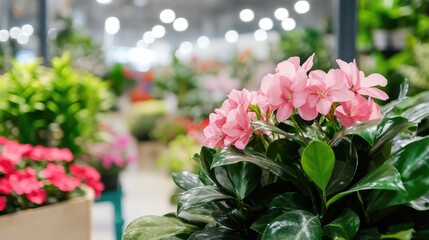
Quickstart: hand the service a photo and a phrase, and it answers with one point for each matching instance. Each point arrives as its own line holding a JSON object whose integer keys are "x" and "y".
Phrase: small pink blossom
{"x": 57, "y": 176}
{"x": 359, "y": 109}
{"x": 5, "y": 187}
{"x": 214, "y": 136}
{"x": 237, "y": 128}
{"x": 358, "y": 83}
{"x": 3, "y": 203}
{"x": 25, "y": 181}
{"x": 37, "y": 196}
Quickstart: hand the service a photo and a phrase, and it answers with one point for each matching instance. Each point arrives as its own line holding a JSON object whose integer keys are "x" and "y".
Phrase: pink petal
{"x": 324, "y": 105}
{"x": 287, "y": 69}
{"x": 299, "y": 99}
{"x": 307, "y": 113}
{"x": 266, "y": 83}
{"x": 308, "y": 64}
{"x": 284, "y": 112}
{"x": 374, "y": 79}
{"x": 317, "y": 74}
{"x": 300, "y": 81}
{"x": 373, "y": 92}
{"x": 341, "y": 95}
{"x": 345, "y": 67}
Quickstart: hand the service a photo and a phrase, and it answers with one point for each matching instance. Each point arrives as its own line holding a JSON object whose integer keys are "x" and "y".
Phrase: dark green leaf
{"x": 215, "y": 233}
{"x": 230, "y": 218}
{"x": 387, "y": 129}
{"x": 290, "y": 201}
{"x": 299, "y": 225}
{"x": 318, "y": 161}
{"x": 186, "y": 180}
{"x": 385, "y": 177}
{"x": 200, "y": 195}
{"x": 261, "y": 223}
{"x": 206, "y": 160}
{"x": 344, "y": 226}
{"x": 265, "y": 126}
{"x": 155, "y": 227}
{"x": 201, "y": 214}
{"x": 346, "y": 162}
{"x": 366, "y": 130}
{"x": 244, "y": 177}
{"x": 223, "y": 180}
{"x": 417, "y": 113}
{"x": 403, "y": 90}
{"x": 421, "y": 203}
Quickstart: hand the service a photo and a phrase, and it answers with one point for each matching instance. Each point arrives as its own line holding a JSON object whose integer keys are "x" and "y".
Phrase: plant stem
{"x": 323, "y": 210}
{"x": 322, "y": 132}
{"x": 301, "y": 132}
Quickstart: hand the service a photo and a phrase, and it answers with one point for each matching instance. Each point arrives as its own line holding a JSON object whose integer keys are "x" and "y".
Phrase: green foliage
{"x": 144, "y": 116}
{"x": 118, "y": 81}
{"x": 55, "y": 106}
{"x": 177, "y": 156}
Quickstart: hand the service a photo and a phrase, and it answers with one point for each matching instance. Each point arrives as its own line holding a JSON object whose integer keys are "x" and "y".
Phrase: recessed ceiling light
{"x": 167, "y": 16}
{"x": 260, "y": 35}
{"x": 104, "y": 1}
{"x": 288, "y": 24}
{"x": 4, "y": 35}
{"x": 180, "y": 24}
{"x": 148, "y": 38}
{"x": 22, "y": 39}
{"x": 27, "y": 30}
{"x": 203, "y": 42}
{"x": 231, "y": 36}
{"x": 186, "y": 47}
{"x": 14, "y": 32}
{"x": 246, "y": 15}
{"x": 158, "y": 31}
{"x": 112, "y": 25}
{"x": 266, "y": 24}
{"x": 281, "y": 14}
{"x": 302, "y": 7}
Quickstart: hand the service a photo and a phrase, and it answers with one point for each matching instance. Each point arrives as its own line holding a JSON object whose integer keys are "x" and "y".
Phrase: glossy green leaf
{"x": 421, "y": 203}
{"x": 228, "y": 156}
{"x": 385, "y": 177}
{"x": 200, "y": 195}
{"x": 296, "y": 225}
{"x": 417, "y": 113}
{"x": 412, "y": 161}
{"x": 264, "y": 126}
{"x": 366, "y": 130}
{"x": 186, "y": 180}
{"x": 290, "y": 201}
{"x": 262, "y": 222}
{"x": 346, "y": 162}
{"x": 199, "y": 215}
{"x": 402, "y": 235}
{"x": 387, "y": 129}
{"x": 318, "y": 160}
{"x": 344, "y": 226}
{"x": 223, "y": 180}
{"x": 155, "y": 228}
{"x": 206, "y": 160}
{"x": 245, "y": 177}
{"x": 230, "y": 218}
{"x": 403, "y": 90}
{"x": 216, "y": 233}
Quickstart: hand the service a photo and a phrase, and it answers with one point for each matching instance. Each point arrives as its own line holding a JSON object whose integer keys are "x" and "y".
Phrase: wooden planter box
{"x": 67, "y": 220}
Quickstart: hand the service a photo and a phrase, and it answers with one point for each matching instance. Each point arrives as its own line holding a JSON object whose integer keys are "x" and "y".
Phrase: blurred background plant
{"x": 55, "y": 106}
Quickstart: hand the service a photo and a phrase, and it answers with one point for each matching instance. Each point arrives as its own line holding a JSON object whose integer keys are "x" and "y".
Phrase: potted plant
{"x": 309, "y": 155}
{"x": 43, "y": 193}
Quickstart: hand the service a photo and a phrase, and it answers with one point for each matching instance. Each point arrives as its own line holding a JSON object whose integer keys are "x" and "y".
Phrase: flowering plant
{"x": 310, "y": 155}
{"x": 33, "y": 176}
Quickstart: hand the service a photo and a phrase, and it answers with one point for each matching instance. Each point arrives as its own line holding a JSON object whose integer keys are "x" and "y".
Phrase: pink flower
{"x": 58, "y": 154}
{"x": 25, "y": 181}
{"x": 213, "y": 134}
{"x": 3, "y": 203}
{"x": 324, "y": 90}
{"x": 359, "y": 109}
{"x": 237, "y": 128}
{"x": 5, "y": 187}
{"x": 6, "y": 165}
{"x": 236, "y": 99}
{"x": 285, "y": 90}
{"x": 96, "y": 185}
{"x": 358, "y": 83}
{"x": 37, "y": 196}
{"x": 84, "y": 172}
{"x": 57, "y": 176}
{"x": 13, "y": 151}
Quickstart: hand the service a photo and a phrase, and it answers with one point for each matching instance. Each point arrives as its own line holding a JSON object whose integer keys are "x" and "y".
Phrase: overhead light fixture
{"x": 27, "y": 30}
{"x": 104, "y": 1}
{"x": 167, "y": 16}
{"x": 180, "y": 24}
{"x": 246, "y": 15}
{"x": 186, "y": 47}
{"x": 22, "y": 39}
{"x": 231, "y": 36}
{"x": 14, "y": 32}
{"x": 4, "y": 35}
{"x": 112, "y": 25}
{"x": 266, "y": 24}
{"x": 288, "y": 24}
{"x": 158, "y": 31}
{"x": 302, "y": 7}
{"x": 203, "y": 42}
{"x": 260, "y": 35}
{"x": 281, "y": 14}
{"x": 148, "y": 37}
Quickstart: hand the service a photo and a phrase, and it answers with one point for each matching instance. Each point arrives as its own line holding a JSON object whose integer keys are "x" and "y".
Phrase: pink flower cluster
{"x": 293, "y": 89}
{"x": 28, "y": 172}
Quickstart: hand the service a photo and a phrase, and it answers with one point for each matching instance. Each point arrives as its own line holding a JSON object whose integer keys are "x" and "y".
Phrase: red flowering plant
{"x": 33, "y": 176}
{"x": 310, "y": 155}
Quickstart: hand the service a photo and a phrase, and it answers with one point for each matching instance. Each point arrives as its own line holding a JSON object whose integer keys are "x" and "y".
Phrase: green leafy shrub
{"x": 144, "y": 116}
{"x": 55, "y": 106}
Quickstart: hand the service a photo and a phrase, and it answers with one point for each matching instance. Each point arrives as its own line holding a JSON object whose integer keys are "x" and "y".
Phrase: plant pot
{"x": 67, "y": 220}
{"x": 110, "y": 181}
{"x": 386, "y": 39}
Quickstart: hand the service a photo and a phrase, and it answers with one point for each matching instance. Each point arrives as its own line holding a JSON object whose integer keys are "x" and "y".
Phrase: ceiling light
{"x": 260, "y": 35}
{"x": 266, "y": 24}
{"x": 112, "y": 25}
{"x": 231, "y": 36}
{"x": 14, "y": 32}
{"x": 186, "y": 47}
{"x": 180, "y": 24}
{"x": 140, "y": 3}
{"x": 158, "y": 31}
{"x": 281, "y": 14}
{"x": 104, "y": 1}
{"x": 302, "y": 6}
{"x": 148, "y": 38}
{"x": 4, "y": 35}
{"x": 203, "y": 42}
{"x": 288, "y": 24}
{"x": 167, "y": 16}
{"x": 22, "y": 39}
{"x": 246, "y": 15}
{"x": 27, "y": 30}
{"x": 141, "y": 44}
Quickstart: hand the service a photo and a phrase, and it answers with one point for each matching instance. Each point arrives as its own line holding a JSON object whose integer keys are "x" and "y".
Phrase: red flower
{"x": 57, "y": 176}
{"x": 84, "y": 172}
{"x": 37, "y": 153}
{"x": 5, "y": 187}
{"x": 37, "y": 197}
{"x": 2, "y": 202}
{"x": 13, "y": 151}
{"x": 25, "y": 182}
{"x": 96, "y": 185}
{"x": 6, "y": 165}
